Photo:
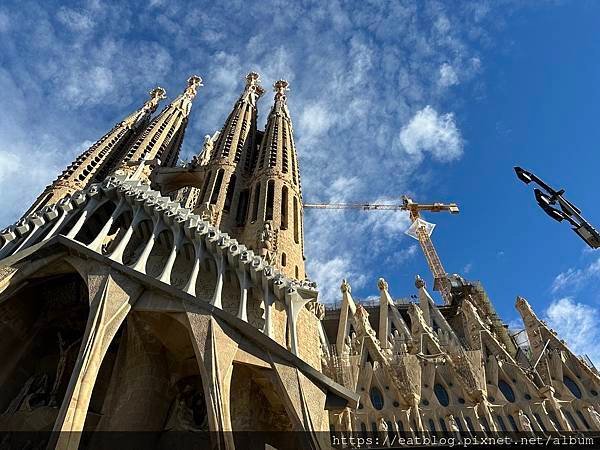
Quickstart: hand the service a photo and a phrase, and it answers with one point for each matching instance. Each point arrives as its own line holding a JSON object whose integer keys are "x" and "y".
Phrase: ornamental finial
{"x": 193, "y": 83}
{"x": 419, "y": 282}
{"x": 345, "y": 287}
{"x": 253, "y": 84}
{"x": 382, "y": 284}
{"x": 280, "y": 87}
{"x": 156, "y": 95}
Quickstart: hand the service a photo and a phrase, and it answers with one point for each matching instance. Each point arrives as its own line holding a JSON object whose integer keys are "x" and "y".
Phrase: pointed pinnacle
{"x": 193, "y": 83}
{"x": 419, "y": 282}
{"x": 252, "y": 83}
{"x": 280, "y": 87}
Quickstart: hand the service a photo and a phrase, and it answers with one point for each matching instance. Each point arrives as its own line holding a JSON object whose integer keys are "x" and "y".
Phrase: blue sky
{"x": 436, "y": 99}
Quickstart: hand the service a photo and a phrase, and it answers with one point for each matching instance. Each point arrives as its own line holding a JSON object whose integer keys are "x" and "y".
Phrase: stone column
{"x": 215, "y": 350}
{"x": 111, "y": 297}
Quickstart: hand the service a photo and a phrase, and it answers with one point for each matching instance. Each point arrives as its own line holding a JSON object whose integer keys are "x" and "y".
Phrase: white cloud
{"x": 573, "y": 279}
{"x": 75, "y": 20}
{"x": 448, "y": 76}
{"x": 357, "y": 75}
{"x": 429, "y": 132}
{"x": 576, "y": 323}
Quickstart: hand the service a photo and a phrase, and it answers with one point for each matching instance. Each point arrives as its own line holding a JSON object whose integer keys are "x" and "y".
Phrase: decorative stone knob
{"x": 345, "y": 287}
{"x": 419, "y": 282}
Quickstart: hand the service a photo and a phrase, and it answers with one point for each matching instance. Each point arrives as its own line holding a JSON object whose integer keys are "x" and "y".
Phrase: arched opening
{"x": 253, "y": 386}
{"x": 270, "y": 200}
{"x": 43, "y": 325}
{"x": 242, "y": 208}
{"x": 376, "y": 398}
{"x": 117, "y": 231}
{"x": 160, "y": 253}
{"x": 139, "y": 238}
{"x": 95, "y": 222}
{"x": 229, "y": 194}
{"x": 296, "y": 222}
{"x": 501, "y": 423}
{"x": 230, "y": 295}
{"x": 207, "y": 279}
{"x": 184, "y": 263}
{"x": 441, "y": 394}
{"x": 506, "y": 391}
{"x": 283, "y": 259}
{"x": 155, "y": 385}
{"x": 214, "y": 197}
{"x": 205, "y": 187}
{"x": 571, "y": 420}
{"x": 284, "y": 208}
{"x": 572, "y": 386}
{"x": 255, "y": 202}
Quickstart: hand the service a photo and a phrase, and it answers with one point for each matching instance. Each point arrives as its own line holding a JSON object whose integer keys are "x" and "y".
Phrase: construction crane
{"x": 419, "y": 230}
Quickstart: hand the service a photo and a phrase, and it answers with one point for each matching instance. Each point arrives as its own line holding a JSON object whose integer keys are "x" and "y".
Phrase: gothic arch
{"x": 44, "y": 325}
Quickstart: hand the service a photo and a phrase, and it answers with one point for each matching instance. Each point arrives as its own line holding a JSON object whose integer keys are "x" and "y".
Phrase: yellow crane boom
{"x": 420, "y": 230}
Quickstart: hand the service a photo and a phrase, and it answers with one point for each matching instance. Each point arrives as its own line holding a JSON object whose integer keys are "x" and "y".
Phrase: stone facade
{"x": 172, "y": 299}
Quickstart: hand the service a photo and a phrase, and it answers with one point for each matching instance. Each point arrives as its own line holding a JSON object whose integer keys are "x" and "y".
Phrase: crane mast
{"x": 419, "y": 229}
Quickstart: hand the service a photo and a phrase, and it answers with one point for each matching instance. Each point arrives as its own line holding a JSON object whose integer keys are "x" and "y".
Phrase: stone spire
{"x": 162, "y": 138}
{"x": 275, "y": 193}
{"x": 100, "y": 159}
{"x": 225, "y": 160}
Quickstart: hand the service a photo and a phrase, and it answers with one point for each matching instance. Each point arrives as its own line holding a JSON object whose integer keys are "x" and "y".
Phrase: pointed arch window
{"x": 376, "y": 398}
{"x": 229, "y": 195}
{"x": 270, "y": 200}
{"x": 217, "y": 187}
{"x": 470, "y": 426}
{"x": 569, "y": 383}
{"x": 540, "y": 422}
{"x": 441, "y": 394}
{"x": 255, "y": 202}
{"x": 284, "y": 208}
{"x": 283, "y": 260}
{"x": 242, "y": 208}
{"x": 205, "y": 187}
{"x": 296, "y": 222}
{"x": 431, "y": 425}
{"x": 570, "y": 419}
{"x": 506, "y": 391}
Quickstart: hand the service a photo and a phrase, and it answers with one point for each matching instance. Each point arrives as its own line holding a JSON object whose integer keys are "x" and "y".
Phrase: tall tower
{"x": 275, "y": 213}
{"x": 101, "y": 157}
{"x": 163, "y": 137}
{"x": 222, "y": 196}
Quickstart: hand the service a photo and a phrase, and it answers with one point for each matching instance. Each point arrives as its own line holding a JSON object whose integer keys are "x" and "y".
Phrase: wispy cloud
{"x": 369, "y": 97}
{"x": 574, "y": 278}
{"x": 577, "y": 324}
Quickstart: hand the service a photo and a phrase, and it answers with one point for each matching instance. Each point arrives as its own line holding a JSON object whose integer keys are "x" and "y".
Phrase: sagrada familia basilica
{"x": 140, "y": 294}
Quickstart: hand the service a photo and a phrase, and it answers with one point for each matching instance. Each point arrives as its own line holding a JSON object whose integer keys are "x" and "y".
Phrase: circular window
{"x": 461, "y": 401}
{"x": 527, "y": 397}
{"x": 506, "y": 391}
{"x": 425, "y": 402}
{"x": 396, "y": 404}
{"x": 376, "y": 398}
{"x": 441, "y": 394}
{"x": 572, "y": 387}
{"x": 594, "y": 393}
